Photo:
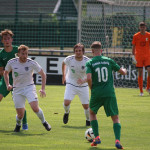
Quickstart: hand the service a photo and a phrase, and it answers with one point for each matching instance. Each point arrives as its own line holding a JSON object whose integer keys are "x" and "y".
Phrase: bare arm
{"x": 89, "y": 80}
{"x": 6, "y": 77}
{"x": 122, "y": 71}
{"x": 133, "y": 50}
{"x": 42, "y": 90}
{"x": 1, "y": 71}
{"x": 63, "y": 73}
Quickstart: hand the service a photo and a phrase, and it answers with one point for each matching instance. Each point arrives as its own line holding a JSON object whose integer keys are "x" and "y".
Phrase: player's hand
{"x": 80, "y": 81}
{"x": 63, "y": 79}
{"x": 42, "y": 93}
{"x": 134, "y": 60}
{"x": 124, "y": 70}
{"x": 9, "y": 87}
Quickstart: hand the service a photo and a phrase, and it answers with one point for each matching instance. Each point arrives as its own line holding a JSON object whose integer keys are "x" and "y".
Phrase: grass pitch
{"x": 134, "y": 116}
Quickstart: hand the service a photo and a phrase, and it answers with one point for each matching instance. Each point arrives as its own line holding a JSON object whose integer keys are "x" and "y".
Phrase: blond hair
{"x": 6, "y": 32}
{"x": 23, "y": 47}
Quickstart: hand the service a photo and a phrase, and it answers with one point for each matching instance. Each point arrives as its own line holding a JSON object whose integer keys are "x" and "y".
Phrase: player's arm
{"x": 89, "y": 80}
{"x": 6, "y": 77}
{"x": 122, "y": 71}
{"x": 63, "y": 73}
{"x": 133, "y": 54}
{"x": 1, "y": 71}
{"x": 42, "y": 90}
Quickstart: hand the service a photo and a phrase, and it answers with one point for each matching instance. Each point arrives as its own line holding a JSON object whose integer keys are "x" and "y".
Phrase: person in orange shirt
{"x": 141, "y": 55}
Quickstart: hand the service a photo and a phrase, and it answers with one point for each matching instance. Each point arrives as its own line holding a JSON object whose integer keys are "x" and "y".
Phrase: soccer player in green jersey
{"x": 100, "y": 80}
{"x": 7, "y": 53}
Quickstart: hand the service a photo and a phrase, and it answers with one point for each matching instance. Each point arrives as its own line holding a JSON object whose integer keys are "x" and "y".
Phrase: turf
{"x": 134, "y": 116}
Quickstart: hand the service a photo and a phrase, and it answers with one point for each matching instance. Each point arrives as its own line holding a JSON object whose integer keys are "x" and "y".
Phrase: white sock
{"x": 18, "y": 121}
{"x": 66, "y": 108}
{"x": 86, "y": 111}
{"x": 41, "y": 115}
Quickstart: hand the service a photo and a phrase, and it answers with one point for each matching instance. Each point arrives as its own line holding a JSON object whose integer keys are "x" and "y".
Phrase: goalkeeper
{"x": 100, "y": 80}
{"x": 6, "y": 54}
{"x": 141, "y": 55}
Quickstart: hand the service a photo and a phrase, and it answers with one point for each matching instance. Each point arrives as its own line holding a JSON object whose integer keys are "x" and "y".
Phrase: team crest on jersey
{"x": 26, "y": 68}
{"x": 82, "y": 67}
{"x": 146, "y": 39}
{"x": 16, "y": 74}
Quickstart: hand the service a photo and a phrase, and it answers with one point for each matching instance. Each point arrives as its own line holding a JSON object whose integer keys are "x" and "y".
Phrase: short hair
{"x": 141, "y": 24}
{"x": 79, "y": 45}
{"x": 96, "y": 45}
{"x": 6, "y": 32}
{"x": 23, "y": 47}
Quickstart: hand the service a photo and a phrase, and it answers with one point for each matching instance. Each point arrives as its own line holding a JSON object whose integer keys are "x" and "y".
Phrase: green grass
{"x": 134, "y": 117}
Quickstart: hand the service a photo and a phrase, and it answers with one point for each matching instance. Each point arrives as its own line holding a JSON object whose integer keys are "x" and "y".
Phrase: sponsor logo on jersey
{"x": 26, "y": 68}
{"x": 16, "y": 74}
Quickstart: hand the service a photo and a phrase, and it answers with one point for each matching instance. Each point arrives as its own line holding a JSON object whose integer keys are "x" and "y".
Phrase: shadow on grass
{"x": 21, "y": 133}
{"x": 74, "y": 127}
{"x": 101, "y": 148}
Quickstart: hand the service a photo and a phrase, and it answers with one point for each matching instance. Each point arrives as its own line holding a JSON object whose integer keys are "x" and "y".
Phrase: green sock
{"x": 94, "y": 124}
{"x": 117, "y": 130}
{"x": 24, "y": 120}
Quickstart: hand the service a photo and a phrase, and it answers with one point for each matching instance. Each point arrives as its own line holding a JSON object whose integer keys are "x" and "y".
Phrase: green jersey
{"x": 6, "y": 56}
{"x": 102, "y": 78}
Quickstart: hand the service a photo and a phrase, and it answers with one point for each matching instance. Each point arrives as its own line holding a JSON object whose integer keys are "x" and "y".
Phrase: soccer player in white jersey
{"x": 76, "y": 81}
{"x": 23, "y": 86}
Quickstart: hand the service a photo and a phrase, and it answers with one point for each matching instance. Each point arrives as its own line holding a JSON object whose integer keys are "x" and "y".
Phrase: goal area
{"x": 113, "y": 23}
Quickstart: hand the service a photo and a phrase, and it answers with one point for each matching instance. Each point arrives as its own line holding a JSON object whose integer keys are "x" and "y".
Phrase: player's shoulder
{"x": 85, "y": 58}
{"x": 31, "y": 61}
{"x": 71, "y": 57}
{"x": 137, "y": 34}
{"x": 13, "y": 60}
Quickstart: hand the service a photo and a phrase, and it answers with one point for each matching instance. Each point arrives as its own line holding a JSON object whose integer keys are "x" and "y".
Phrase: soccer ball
{"x": 89, "y": 135}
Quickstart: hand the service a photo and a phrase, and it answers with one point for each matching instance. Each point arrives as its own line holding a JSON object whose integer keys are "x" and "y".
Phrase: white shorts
{"x": 82, "y": 92}
{"x": 21, "y": 94}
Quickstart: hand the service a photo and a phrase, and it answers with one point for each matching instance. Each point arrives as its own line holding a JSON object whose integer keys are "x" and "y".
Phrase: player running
{"x": 76, "y": 83}
{"x": 7, "y": 53}
{"x": 100, "y": 80}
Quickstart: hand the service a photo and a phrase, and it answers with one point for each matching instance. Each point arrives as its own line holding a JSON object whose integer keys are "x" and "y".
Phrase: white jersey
{"x": 22, "y": 73}
{"x": 76, "y": 70}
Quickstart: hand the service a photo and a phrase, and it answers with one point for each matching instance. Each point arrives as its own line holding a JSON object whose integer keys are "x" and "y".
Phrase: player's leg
{"x": 40, "y": 114}
{"x": 148, "y": 79}
{"x": 19, "y": 116}
{"x": 140, "y": 80}
{"x": 94, "y": 124}
{"x": 31, "y": 95}
{"x": 68, "y": 97}
{"x": 111, "y": 109}
{"x": 24, "y": 121}
{"x": 83, "y": 94}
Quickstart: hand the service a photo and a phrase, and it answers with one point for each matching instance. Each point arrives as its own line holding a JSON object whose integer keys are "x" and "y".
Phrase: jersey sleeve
{"x": 36, "y": 67}
{"x": 115, "y": 66}
{"x": 88, "y": 67}
{"x": 134, "y": 40}
{"x": 8, "y": 67}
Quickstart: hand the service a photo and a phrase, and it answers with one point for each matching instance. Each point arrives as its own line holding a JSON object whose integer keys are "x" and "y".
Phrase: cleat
{"x": 17, "y": 128}
{"x": 25, "y": 126}
{"x": 141, "y": 94}
{"x": 96, "y": 141}
{"x": 148, "y": 90}
{"x": 65, "y": 118}
{"x": 88, "y": 123}
{"x": 118, "y": 145}
{"x": 47, "y": 126}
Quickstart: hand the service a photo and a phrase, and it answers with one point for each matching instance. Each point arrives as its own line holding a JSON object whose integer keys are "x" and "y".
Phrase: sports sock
{"x": 66, "y": 108}
{"x": 86, "y": 111}
{"x": 18, "y": 121}
{"x": 41, "y": 115}
{"x": 117, "y": 130}
{"x": 140, "y": 82}
{"x": 24, "y": 120}
{"x": 94, "y": 124}
{"x": 148, "y": 82}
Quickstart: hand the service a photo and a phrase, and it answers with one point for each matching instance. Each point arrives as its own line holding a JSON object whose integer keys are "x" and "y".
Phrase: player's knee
{"x": 67, "y": 103}
{"x": 35, "y": 109}
{"x": 1, "y": 97}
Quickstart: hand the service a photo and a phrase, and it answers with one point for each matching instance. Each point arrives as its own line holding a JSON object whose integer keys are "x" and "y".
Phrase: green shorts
{"x": 3, "y": 88}
{"x": 109, "y": 103}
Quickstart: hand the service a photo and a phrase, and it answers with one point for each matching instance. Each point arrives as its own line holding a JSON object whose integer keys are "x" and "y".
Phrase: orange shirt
{"x": 142, "y": 45}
